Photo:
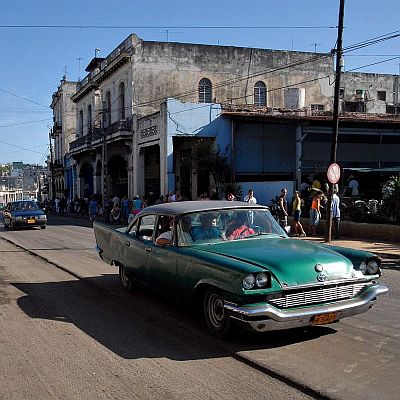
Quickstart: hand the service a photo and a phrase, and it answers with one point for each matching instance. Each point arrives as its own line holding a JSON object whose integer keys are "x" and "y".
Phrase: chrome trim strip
{"x": 278, "y": 315}
{"x": 327, "y": 283}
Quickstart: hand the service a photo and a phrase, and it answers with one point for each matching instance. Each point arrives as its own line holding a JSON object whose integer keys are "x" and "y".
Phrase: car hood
{"x": 291, "y": 261}
{"x": 28, "y": 213}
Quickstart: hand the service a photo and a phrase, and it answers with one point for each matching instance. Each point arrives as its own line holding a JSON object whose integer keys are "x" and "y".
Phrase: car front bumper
{"x": 23, "y": 223}
{"x": 269, "y": 318}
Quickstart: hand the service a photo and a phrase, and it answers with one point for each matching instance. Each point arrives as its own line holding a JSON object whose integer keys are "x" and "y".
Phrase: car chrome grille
{"x": 324, "y": 294}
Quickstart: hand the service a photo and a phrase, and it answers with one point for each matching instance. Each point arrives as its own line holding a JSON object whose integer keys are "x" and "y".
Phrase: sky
{"x": 41, "y": 40}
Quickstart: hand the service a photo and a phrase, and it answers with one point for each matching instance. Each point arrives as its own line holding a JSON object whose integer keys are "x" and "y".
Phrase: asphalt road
{"x": 73, "y": 333}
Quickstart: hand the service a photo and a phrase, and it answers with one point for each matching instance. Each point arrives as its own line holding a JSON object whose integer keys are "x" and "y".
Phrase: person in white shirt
{"x": 249, "y": 198}
{"x": 336, "y": 212}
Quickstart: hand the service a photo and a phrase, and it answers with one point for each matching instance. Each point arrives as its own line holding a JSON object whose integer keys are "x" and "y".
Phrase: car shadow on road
{"x": 143, "y": 324}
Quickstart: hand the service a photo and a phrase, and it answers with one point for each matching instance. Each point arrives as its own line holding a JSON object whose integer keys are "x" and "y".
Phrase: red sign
{"x": 333, "y": 173}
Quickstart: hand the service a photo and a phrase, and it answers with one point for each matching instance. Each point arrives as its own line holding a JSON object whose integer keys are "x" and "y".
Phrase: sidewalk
{"x": 384, "y": 249}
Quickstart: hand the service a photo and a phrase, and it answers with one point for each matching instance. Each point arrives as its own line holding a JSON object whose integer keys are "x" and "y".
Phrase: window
{"x": 108, "y": 112}
{"x": 81, "y": 123}
{"x": 260, "y": 94}
{"x": 205, "y": 91}
{"x": 122, "y": 101}
{"x": 382, "y": 95}
{"x": 146, "y": 227}
{"x": 89, "y": 117}
{"x": 317, "y": 107}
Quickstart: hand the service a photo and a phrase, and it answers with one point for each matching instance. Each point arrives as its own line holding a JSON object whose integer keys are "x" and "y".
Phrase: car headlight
{"x": 363, "y": 267}
{"x": 249, "y": 281}
{"x": 18, "y": 218}
{"x": 262, "y": 280}
{"x": 373, "y": 266}
{"x": 42, "y": 217}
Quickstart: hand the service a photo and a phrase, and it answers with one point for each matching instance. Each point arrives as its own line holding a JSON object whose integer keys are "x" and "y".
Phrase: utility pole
{"x": 339, "y": 54}
{"x": 104, "y": 157}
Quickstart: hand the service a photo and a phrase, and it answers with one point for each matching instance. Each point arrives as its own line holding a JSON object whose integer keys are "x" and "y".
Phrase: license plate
{"x": 31, "y": 221}
{"x": 324, "y": 318}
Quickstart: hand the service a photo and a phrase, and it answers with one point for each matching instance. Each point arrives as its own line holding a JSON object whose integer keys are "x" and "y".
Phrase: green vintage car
{"x": 237, "y": 262}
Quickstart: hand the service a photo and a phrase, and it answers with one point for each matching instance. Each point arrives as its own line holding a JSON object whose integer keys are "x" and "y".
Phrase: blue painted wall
{"x": 193, "y": 119}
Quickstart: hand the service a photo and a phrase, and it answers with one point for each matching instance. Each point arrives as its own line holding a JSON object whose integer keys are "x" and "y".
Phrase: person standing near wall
{"x": 315, "y": 213}
{"x": 336, "y": 212}
{"x": 298, "y": 228}
{"x": 249, "y": 198}
{"x": 282, "y": 204}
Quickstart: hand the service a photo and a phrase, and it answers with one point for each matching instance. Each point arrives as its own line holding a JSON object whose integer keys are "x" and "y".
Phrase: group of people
{"x": 318, "y": 202}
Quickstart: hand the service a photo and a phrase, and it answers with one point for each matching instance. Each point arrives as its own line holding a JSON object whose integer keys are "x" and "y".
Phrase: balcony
{"x": 80, "y": 144}
{"x": 56, "y": 130}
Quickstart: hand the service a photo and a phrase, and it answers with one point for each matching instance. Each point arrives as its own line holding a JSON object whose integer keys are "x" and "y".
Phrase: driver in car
{"x": 240, "y": 229}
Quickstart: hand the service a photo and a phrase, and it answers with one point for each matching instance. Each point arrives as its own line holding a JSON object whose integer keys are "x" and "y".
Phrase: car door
{"x": 162, "y": 260}
{"x": 138, "y": 245}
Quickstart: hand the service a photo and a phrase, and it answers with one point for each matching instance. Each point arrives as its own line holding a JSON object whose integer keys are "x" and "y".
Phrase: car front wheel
{"x": 216, "y": 316}
{"x": 125, "y": 279}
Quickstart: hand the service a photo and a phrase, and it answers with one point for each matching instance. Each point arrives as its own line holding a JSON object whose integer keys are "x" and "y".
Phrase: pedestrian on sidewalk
{"x": 336, "y": 212}
{"x": 297, "y": 227}
{"x": 93, "y": 208}
{"x": 315, "y": 213}
{"x": 283, "y": 211}
{"x": 249, "y": 198}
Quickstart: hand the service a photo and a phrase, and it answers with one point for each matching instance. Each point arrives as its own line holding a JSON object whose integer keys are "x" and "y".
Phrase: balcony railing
{"x": 121, "y": 128}
{"x": 84, "y": 140}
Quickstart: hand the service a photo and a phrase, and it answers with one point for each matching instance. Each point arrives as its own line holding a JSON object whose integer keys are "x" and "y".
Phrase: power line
{"x": 24, "y": 98}
{"x": 25, "y": 123}
{"x": 250, "y": 27}
{"x": 20, "y": 147}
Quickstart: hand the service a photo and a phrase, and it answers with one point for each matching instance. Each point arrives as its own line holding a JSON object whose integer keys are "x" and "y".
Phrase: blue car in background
{"x": 1, "y": 211}
{"x": 24, "y": 213}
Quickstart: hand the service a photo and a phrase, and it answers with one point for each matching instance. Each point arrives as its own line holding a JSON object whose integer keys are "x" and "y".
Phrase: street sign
{"x": 333, "y": 173}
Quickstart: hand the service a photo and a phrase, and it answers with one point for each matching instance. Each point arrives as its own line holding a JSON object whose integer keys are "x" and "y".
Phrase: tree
{"x": 391, "y": 199}
{"x": 215, "y": 161}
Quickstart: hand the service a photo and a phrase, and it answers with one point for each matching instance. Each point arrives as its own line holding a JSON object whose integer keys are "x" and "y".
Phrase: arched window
{"x": 260, "y": 94}
{"x": 205, "y": 91}
{"x": 121, "y": 102}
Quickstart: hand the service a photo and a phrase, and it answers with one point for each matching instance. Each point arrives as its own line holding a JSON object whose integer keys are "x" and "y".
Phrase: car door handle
{"x": 147, "y": 249}
{"x": 127, "y": 244}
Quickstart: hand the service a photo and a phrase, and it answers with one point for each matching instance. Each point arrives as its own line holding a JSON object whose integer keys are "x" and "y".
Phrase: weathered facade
{"x": 63, "y": 133}
{"x": 144, "y": 112}
{"x": 132, "y": 82}
{"x": 370, "y": 93}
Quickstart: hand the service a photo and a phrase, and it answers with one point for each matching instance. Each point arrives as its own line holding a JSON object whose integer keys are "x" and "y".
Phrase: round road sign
{"x": 333, "y": 173}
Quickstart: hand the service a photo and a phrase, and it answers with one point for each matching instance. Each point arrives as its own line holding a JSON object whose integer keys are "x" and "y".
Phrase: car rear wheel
{"x": 43, "y": 227}
{"x": 125, "y": 279}
{"x": 216, "y": 316}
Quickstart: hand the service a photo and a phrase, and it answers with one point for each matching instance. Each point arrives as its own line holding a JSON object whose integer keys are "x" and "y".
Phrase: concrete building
{"x": 122, "y": 91}
{"x": 150, "y": 113}
{"x": 370, "y": 93}
{"x": 63, "y": 133}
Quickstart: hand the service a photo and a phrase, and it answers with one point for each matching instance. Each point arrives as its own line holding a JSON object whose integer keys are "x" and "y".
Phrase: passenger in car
{"x": 207, "y": 229}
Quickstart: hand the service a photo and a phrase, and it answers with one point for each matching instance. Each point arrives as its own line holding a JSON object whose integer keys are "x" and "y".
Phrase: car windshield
{"x": 24, "y": 206}
{"x": 226, "y": 225}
